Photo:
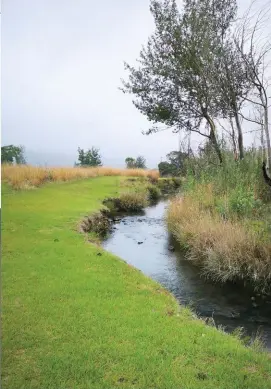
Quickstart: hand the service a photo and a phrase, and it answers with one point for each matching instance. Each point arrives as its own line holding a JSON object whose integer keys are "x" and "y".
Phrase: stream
{"x": 144, "y": 242}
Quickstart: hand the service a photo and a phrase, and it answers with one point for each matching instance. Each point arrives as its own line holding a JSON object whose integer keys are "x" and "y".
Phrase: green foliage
{"x": 131, "y": 201}
{"x": 243, "y": 202}
{"x": 130, "y": 163}
{"x": 90, "y": 157}
{"x": 176, "y": 81}
{"x": 12, "y": 154}
{"x": 166, "y": 169}
{"x": 169, "y": 185}
{"x": 239, "y": 188}
{"x": 154, "y": 192}
{"x": 176, "y": 164}
{"x": 138, "y": 163}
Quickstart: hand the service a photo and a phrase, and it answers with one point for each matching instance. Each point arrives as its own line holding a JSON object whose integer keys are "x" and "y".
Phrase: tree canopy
{"x": 175, "y": 164}
{"x": 90, "y": 157}
{"x": 12, "y": 154}
{"x": 135, "y": 163}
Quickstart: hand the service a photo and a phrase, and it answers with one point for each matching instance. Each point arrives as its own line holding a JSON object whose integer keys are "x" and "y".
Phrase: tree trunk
{"x": 213, "y": 137}
{"x": 233, "y": 140}
{"x": 262, "y": 143}
{"x": 267, "y": 136}
{"x": 240, "y": 135}
{"x": 264, "y": 101}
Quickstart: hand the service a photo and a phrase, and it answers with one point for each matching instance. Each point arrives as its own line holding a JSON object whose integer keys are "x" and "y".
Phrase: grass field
{"x": 77, "y": 317}
{"x": 28, "y": 177}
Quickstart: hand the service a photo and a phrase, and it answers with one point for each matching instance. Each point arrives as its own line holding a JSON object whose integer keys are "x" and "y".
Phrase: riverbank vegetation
{"x": 75, "y": 316}
{"x": 223, "y": 220}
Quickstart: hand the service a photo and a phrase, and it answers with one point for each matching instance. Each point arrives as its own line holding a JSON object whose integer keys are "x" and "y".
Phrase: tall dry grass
{"x": 26, "y": 176}
{"x": 224, "y": 249}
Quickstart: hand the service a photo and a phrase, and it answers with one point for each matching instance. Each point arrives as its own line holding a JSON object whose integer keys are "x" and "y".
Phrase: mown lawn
{"x": 73, "y": 319}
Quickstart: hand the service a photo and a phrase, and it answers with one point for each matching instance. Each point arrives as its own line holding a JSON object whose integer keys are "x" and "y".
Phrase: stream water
{"x": 143, "y": 241}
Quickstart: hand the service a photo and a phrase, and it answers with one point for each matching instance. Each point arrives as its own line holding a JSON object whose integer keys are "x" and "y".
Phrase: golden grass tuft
{"x": 224, "y": 249}
{"x": 26, "y": 176}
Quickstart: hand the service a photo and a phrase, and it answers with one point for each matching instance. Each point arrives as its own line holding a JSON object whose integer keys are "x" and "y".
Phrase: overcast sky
{"x": 62, "y": 61}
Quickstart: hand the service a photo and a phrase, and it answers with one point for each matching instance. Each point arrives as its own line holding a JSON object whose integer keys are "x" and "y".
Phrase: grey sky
{"x": 61, "y": 67}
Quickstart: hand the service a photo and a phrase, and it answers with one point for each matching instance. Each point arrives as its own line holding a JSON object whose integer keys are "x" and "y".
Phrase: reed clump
{"x": 225, "y": 249}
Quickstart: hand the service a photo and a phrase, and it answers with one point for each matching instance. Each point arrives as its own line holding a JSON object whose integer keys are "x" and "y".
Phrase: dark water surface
{"x": 230, "y": 305}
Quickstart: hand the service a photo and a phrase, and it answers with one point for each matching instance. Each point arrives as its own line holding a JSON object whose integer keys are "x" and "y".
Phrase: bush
{"x": 169, "y": 185}
{"x": 177, "y": 181}
{"x": 98, "y": 223}
{"x": 130, "y": 201}
{"x": 154, "y": 192}
{"x": 127, "y": 202}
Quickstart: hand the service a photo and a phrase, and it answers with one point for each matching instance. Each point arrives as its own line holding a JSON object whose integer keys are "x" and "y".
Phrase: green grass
{"x": 75, "y": 319}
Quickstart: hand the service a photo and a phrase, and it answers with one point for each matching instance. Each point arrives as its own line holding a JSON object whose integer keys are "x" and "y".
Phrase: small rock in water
{"x": 254, "y": 305}
{"x": 253, "y": 298}
{"x": 139, "y": 242}
{"x": 234, "y": 314}
{"x": 140, "y": 220}
{"x": 171, "y": 248}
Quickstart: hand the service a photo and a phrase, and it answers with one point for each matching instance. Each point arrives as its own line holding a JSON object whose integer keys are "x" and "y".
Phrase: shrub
{"x": 177, "y": 181}
{"x": 127, "y": 202}
{"x": 169, "y": 185}
{"x": 154, "y": 192}
{"x": 130, "y": 201}
{"x": 98, "y": 223}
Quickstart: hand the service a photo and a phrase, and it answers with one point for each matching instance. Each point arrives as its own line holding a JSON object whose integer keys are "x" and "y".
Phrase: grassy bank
{"x": 224, "y": 221}
{"x": 75, "y": 316}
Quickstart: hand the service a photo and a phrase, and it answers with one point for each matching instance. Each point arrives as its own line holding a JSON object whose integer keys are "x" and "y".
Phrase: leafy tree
{"x": 130, "y": 163}
{"x": 140, "y": 162}
{"x": 11, "y": 154}
{"x": 175, "y": 164}
{"x": 166, "y": 169}
{"x": 90, "y": 157}
{"x": 174, "y": 82}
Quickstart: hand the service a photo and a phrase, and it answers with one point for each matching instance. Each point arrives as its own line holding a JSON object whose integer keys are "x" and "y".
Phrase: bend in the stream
{"x": 143, "y": 241}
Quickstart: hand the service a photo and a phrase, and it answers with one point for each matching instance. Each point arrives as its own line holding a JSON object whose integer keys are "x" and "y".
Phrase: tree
{"x": 11, "y": 154}
{"x": 90, "y": 157}
{"x": 232, "y": 88}
{"x": 175, "y": 164}
{"x": 140, "y": 162}
{"x": 173, "y": 83}
{"x": 166, "y": 169}
{"x": 130, "y": 163}
{"x": 253, "y": 50}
